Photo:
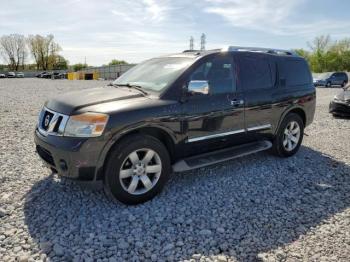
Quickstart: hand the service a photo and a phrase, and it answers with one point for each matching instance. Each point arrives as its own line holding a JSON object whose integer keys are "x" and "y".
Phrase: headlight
{"x": 86, "y": 125}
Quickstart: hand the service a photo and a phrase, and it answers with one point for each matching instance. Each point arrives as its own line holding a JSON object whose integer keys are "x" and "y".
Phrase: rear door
{"x": 257, "y": 80}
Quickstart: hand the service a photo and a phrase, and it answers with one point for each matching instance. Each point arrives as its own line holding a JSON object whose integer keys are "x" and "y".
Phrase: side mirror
{"x": 198, "y": 87}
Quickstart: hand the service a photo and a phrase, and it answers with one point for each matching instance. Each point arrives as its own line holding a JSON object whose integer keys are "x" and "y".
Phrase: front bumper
{"x": 339, "y": 108}
{"x": 68, "y": 156}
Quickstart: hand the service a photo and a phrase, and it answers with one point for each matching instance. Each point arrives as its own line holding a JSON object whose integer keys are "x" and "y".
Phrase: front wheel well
{"x": 157, "y": 133}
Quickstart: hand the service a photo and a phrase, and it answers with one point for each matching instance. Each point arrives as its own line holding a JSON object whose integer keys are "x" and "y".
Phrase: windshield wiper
{"x": 139, "y": 88}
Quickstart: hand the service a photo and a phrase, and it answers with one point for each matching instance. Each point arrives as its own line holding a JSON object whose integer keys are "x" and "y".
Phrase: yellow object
{"x": 83, "y": 76}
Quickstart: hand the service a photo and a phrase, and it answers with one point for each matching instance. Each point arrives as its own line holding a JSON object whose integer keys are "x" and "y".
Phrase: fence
{"x": 105, "y": 72}
{"x": 91, "y": 73}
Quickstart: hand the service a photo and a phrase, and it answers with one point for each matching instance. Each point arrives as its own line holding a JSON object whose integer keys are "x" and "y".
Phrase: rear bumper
{"x": 339, "y": 108}
{"x": 75, "y": 158}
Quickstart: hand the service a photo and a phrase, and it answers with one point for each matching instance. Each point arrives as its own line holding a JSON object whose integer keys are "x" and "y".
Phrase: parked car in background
{"x": 40, "y": 75}
{"x": 2, "y": 75}
{"x": 47, "y": 75}
{"x": 334, "y": 79}
{"x": 11, "y": 75}
{"x": 176, "y": 113}
{"x": 58, "y": 75}
{"x": 340, "y": 105}
{"x": 20, "y": 74}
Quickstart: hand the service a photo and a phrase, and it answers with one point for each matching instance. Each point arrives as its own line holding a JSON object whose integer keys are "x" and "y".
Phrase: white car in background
{"x": 11, "y": 75}
{"x": 2, "y": 75}
{"x": 20, "y": 75}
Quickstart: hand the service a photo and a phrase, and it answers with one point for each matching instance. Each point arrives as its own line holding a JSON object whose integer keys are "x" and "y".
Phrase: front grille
{"x": 52, "y": 123}
{"x": 45, "y": 122}
{"x": 45, "y": 155}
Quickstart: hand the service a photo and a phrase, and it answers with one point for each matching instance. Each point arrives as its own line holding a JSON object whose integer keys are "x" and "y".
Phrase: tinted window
{"x": 296, "y": 72}
{"x": 254, "y": 72}
{"x": 341, "y": 75}
{"x": 219, "y": 74}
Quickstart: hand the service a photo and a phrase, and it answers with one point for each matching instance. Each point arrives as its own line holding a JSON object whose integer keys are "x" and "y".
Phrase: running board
{"x": 221, "y": 155}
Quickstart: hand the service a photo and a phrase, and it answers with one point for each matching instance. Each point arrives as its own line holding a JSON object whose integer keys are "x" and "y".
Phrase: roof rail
{"x": 190, "y": 51}
{"x": 261, "y": 49}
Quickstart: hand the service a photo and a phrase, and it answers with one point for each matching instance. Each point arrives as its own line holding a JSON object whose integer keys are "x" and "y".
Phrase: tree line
{"x": 17, "y": 50}
{"x": 323, "y": 55}
{"x": 326, "y": 55}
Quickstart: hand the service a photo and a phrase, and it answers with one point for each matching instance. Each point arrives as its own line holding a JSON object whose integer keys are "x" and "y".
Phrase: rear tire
{"x": 289, "y": 136}
{"x": 343, "y": 84}
{"x": 137, "y": 169}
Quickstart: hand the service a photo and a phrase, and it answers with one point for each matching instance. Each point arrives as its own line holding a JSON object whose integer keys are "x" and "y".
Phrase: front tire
{"x": 289, "y": 136}
{"x": 137, "y": 169}
{"x": 329, "y": 84}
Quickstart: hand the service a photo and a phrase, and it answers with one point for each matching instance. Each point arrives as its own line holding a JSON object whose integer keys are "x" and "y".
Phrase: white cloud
{"x": 157, "y": 10}
{"x": 139, "y": 29}
{"x": 272, "y": 16}
{"x": 254, "y": 14}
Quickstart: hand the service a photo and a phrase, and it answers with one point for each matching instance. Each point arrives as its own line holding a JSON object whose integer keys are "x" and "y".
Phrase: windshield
{"x": 155, "y": 74}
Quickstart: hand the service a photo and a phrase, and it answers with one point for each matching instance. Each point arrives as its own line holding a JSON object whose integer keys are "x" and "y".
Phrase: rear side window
{"x": 296, "y": 72}
{"x": 342, "y": 75}
{"x": 254, "y": 72}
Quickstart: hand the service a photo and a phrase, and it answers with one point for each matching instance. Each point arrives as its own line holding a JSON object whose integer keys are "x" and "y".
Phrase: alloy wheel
{"x": 291, "y": 136}
{"x": 140, "y": 171}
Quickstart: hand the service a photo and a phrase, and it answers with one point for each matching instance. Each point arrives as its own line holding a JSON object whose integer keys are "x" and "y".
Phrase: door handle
{"x": 237, "y": 102}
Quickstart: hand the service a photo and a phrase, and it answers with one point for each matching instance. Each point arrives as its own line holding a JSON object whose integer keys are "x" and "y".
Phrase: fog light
{"x": 63, "y": 165}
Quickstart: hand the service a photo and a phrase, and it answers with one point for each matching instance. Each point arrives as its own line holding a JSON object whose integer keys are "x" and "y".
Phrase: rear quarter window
{"x": 296, "y": 72}
{"x": 254, "y": 72}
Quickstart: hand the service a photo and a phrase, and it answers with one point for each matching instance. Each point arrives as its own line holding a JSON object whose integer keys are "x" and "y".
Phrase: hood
{"x": 343, "y": 96}
{"x": 69, "y": 102}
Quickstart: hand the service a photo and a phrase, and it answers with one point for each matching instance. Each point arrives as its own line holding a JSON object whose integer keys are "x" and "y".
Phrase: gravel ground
{"x": 257, "y": 208}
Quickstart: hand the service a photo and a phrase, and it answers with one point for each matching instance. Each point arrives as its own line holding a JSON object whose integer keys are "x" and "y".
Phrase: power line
{"x": 191, "y": 43}
{"x": 203, "y": 41}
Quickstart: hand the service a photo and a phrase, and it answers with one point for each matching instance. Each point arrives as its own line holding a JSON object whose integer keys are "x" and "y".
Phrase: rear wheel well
{"x": 299, "y": 112}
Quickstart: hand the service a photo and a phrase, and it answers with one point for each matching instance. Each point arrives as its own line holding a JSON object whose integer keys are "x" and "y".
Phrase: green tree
{"x": 117, "y": 62}
{"x": 79, "y": 66}
{"x": 44, "y": 50}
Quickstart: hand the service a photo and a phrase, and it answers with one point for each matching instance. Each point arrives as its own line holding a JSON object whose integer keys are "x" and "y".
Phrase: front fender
{"x": 114, "y": 138}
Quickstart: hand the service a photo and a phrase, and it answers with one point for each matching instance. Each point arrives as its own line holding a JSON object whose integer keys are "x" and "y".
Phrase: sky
{"x": 135, "y": 30}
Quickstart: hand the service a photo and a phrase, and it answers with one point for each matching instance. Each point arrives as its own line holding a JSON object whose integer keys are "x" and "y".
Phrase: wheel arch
{"x": 296, "y": 110}
{"x": 160, "y": 133}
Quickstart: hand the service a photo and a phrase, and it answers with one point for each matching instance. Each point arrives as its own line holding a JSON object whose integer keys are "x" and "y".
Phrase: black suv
{"x": 177, "y": 113}
{"x": 337, "y": 78}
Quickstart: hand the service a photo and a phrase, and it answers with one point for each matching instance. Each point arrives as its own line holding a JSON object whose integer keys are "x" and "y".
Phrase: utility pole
{"x": 191, "y": 43}
{"x": 203, "y": 41}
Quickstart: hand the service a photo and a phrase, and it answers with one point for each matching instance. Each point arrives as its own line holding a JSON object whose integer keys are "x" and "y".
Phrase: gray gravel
{"x": 257, "y": 208}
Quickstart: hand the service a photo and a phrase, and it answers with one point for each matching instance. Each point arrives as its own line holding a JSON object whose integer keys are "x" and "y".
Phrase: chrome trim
{"x": 53, "y": 123}
{"x": 259, "y": 127}
{"x": 195, "y": 139}
{"x": 215, "y": 135}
